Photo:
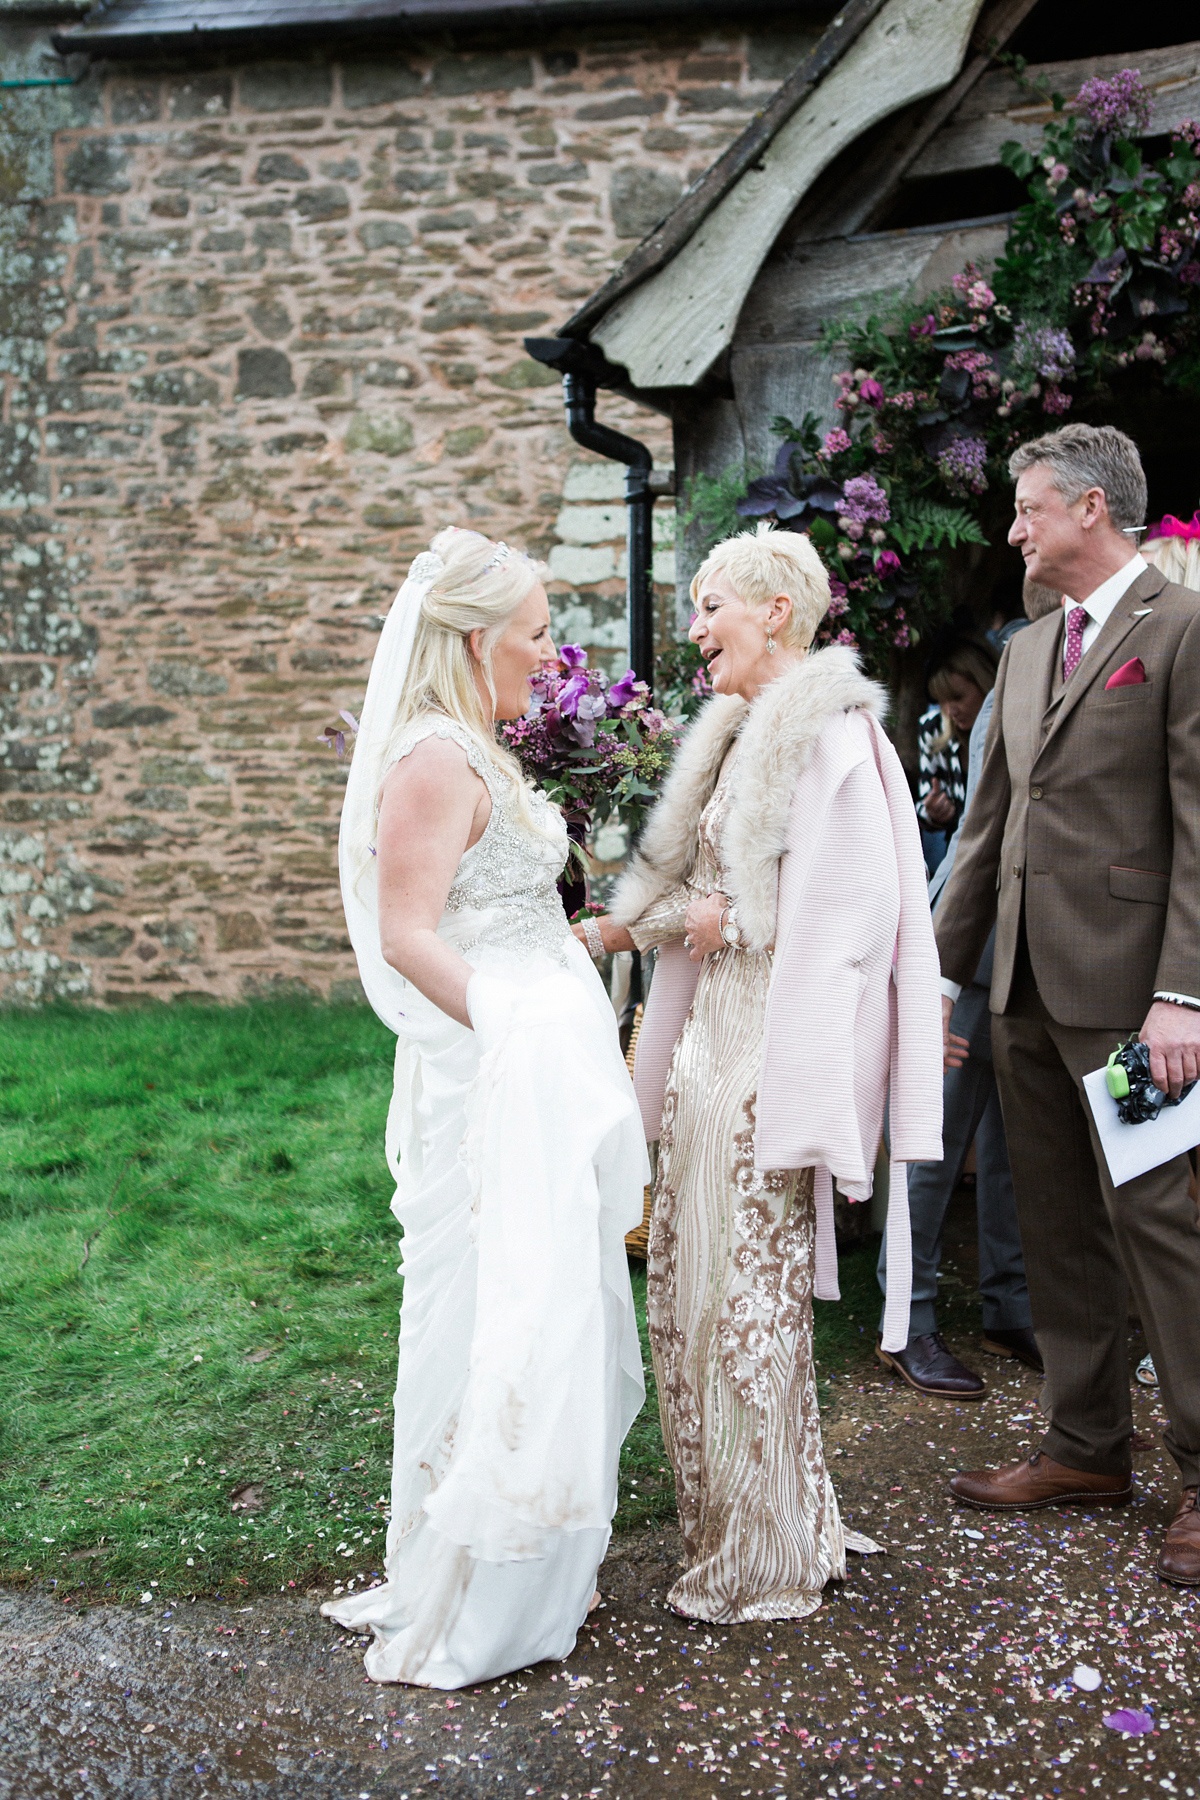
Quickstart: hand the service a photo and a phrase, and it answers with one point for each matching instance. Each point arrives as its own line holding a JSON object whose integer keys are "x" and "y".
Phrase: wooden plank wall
{"x": 997, "y": 110}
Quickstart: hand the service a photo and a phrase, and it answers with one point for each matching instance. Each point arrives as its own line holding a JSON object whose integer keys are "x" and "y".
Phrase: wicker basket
{"x": 637, "y": 1240}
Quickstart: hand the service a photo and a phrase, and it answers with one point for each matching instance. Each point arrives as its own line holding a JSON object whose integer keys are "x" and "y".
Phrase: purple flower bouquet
{"x": 594, "y": 747}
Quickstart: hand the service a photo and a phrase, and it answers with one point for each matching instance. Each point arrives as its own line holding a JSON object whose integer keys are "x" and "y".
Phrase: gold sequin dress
{"x": 730, "y": 1283}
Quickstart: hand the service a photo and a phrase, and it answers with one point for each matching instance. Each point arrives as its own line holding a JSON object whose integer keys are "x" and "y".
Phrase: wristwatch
{"x": 729, "y": 928}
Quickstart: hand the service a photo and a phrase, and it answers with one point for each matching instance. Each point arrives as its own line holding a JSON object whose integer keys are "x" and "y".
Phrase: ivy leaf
{"x": 1016, "y": 157}
{"x": 807, "y": 434}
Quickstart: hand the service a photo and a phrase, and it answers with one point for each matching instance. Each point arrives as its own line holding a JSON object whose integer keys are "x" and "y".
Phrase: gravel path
{"x": 942, "y": 1667}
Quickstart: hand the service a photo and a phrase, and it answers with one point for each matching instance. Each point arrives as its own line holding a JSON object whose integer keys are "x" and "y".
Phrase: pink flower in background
{"x": 845, "y": 399}
{"x": 836, "y": 441}
{"x": 1120, "y": 104}
{"x": 978, "y": 365}
{"x": 872, "y": 392}
{"x": 863, "y": 500}
{"x": 848, "y": 638}
{"x": 923, "y": 327}
{"x": 1055, "y": 401}
{"x": 971, "y": 288}
{"x": 887, "y": 563}
{"x": 961, "y": 466}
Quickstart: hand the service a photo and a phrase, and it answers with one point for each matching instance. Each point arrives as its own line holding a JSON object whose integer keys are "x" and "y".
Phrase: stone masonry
{"x": 260, "y": 337}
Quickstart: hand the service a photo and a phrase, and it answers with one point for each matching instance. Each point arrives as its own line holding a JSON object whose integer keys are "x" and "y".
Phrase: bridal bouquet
{"x": 596, "y": 748}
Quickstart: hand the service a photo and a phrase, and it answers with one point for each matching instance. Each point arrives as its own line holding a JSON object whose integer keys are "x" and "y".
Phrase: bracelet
{"x": 595, "y": 941}
{"x": 734, "y": 942}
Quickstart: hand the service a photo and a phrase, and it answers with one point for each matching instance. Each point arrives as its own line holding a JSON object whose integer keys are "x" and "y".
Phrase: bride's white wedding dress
{"x": 519, "y": 1161}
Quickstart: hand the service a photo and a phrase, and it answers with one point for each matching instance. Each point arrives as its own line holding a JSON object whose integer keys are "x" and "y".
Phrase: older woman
{"x": 781, "y": 880}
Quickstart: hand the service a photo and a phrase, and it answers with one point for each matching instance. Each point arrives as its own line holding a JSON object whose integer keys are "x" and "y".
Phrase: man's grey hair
{"x": 1080, "y": 457}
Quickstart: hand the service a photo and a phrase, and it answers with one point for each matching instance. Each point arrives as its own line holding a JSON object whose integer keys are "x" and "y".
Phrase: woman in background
{"x": 958, "y": 679}
{"x": 1174, "y": 550}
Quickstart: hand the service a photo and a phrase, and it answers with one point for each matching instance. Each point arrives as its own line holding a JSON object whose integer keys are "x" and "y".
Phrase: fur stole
{"x": 779, "y": 731}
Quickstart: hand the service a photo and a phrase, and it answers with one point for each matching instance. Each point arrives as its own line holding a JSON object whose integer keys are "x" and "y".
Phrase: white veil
{"x": 385, "y": 987}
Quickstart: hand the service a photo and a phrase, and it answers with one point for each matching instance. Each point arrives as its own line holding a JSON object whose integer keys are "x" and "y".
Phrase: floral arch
{"x": 1092, "y": 311}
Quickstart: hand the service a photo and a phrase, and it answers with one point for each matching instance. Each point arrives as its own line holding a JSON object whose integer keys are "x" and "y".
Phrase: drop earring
{"x": 770, "y": 643}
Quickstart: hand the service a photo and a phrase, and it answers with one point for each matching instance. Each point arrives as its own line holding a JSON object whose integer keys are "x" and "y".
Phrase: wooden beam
{"x": 683, "y": 220}
{"x": 670, "y": 329}
{"x": 997, "y": 110}
{"x": 847, "y": 277}
{"x": 900, "y": 150}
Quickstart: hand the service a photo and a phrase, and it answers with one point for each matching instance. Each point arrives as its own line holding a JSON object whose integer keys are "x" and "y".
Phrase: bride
{"x": 513, "y": 1138}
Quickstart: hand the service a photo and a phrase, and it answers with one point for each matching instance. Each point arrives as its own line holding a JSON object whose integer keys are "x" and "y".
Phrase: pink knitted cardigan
{"x": 824, "y": 860}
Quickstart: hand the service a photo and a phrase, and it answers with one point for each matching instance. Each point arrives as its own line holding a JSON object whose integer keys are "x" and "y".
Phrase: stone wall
{"x": 261, "y": 338}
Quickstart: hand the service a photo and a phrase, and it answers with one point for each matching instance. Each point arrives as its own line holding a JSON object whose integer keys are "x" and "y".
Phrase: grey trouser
{"x": 971, "y": 1108}
{"x": 1089, "y": 1245}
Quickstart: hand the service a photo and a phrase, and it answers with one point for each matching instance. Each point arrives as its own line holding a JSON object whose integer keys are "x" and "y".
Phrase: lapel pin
{"x": 1141, "y": 612}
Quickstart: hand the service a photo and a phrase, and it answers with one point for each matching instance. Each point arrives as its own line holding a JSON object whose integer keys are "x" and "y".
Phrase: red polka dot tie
{"x": 1077, "y": 618}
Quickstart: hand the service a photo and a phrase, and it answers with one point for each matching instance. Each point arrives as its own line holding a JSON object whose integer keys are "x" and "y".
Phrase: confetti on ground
{"x": 947, "y": 1666}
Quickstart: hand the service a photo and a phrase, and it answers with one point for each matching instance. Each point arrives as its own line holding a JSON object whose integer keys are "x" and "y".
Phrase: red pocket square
{"x": 1130, "y": 674}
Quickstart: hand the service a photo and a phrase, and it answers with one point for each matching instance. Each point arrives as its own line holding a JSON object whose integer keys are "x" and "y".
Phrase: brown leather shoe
{"x": 1179, "y": 1558}
{"x": 1039, "y": 1481}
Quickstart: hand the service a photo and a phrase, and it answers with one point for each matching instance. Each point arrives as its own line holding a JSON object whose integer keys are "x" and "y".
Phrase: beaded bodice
{"x": 504, "y": 891}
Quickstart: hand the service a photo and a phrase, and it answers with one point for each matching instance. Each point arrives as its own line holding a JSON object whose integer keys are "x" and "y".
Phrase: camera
{"x": 1128, "y": 1079}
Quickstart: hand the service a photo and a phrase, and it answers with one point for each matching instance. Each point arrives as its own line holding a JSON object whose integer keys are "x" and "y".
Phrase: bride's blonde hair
{"x": 480, "y": 588}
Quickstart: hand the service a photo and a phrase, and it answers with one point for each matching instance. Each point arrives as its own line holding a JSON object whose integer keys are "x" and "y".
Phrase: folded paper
{"x": 1130, "y": 1150}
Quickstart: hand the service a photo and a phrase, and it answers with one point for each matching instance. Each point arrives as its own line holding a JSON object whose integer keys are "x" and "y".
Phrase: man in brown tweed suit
{"x": 1083, "y": 847}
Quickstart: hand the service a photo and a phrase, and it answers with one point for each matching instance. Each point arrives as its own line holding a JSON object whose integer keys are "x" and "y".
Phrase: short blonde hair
{"x": 763, "y": 563}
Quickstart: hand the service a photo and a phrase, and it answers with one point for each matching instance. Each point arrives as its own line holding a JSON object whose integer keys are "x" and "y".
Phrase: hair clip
{"x": 500, "y": 555}
{"x": 426, "y": 567}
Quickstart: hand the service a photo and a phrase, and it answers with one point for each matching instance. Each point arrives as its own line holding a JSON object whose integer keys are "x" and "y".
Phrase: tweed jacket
{"x": 1087, "y": 815}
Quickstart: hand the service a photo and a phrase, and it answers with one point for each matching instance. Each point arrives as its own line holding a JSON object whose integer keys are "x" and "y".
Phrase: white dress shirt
{"x": 1100, "y": 606}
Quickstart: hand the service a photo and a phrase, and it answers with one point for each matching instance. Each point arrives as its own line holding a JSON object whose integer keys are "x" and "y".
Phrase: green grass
{"x": 199, "y": 1295}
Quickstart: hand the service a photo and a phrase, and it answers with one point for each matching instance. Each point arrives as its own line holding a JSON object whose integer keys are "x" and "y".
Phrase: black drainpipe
{"x": 584, "y": 369}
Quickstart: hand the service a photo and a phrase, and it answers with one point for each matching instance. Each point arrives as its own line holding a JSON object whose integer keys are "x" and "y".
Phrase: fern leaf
{"x": 928, "y": 525}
